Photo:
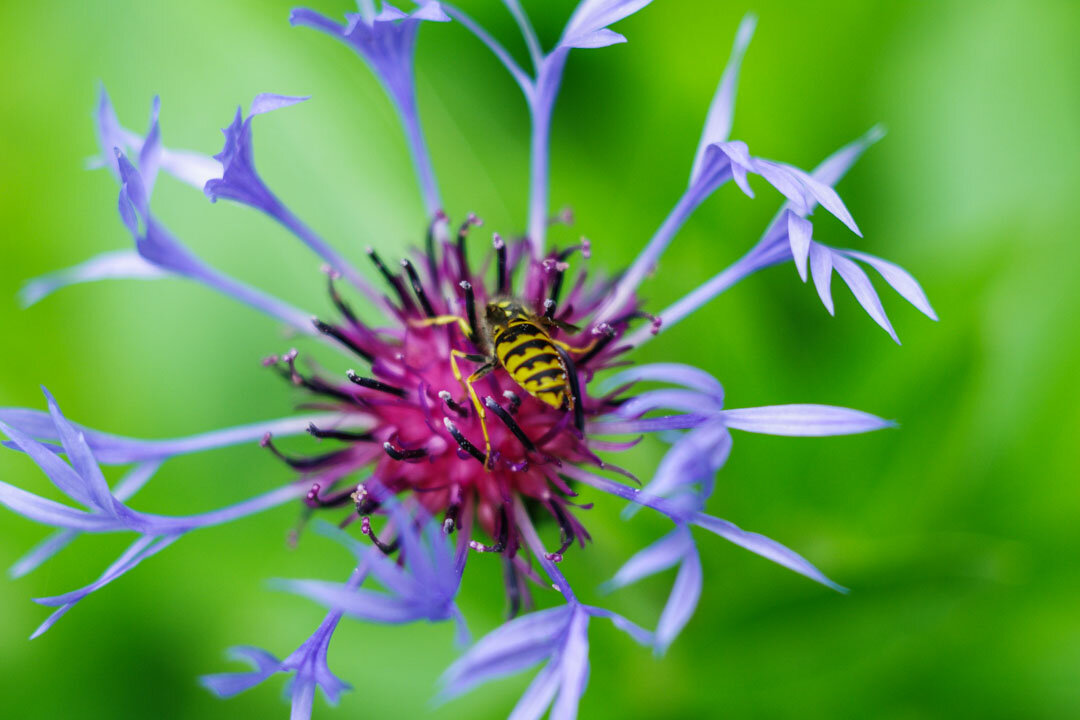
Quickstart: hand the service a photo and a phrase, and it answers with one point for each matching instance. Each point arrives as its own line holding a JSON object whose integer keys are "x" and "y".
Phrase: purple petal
{"x": 686, "y": 400}
{"x": 900, "y": 280}
{"x": 766, "y": 548}
{"x": 834, "y": 167}
{"x": 863, "y": 291}
{"x": 511, "y": 648}
{"x": 828, "y": 199}
{"x": 803, "y": 420}
{"x": 60, "y": 473}
{"x": 228, "y": 684}
{"x": 303, "y": 698}
{"x": 722, "y": 109}
{"x": 108, "y": 265}
{"x": 574, "y": 667}
{"x": 695, "y": 458}
{"x": 52, "y": 513}
{"x": 539, "y": 694}
{"x": 799, "y": 233}
{"x": 671, "y": 373}
{"x": 267, "y": 102}
{"x": 682, "y": 602}
{"x": 140, "y": 550}
{"x": 639, "y": 634}
{"x": 646, "y": 425}
{"x": 592, "y": 16}
{"x": 164, "y": 524}
{"x": 431, "y": 11}
{"x": 821, "y": 267}
{"x": 363, "y": 604}
{"x": 81, "y": 458}
{"x": 662, "y": 554}
{"x": 500, "y": 52}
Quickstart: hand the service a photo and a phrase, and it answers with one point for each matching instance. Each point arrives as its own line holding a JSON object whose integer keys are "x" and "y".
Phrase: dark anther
{"x": 365, "y": 528}
{"x": 373, "y": 384}
{"x": 585, "y": 247}
{"x": 453, "y": 511}
{"x": 303, "y": 463}
{"x": 462, "y": 234}
{"x": 470, "y": 310}
{"x": 501, "y": 539}
{"x": 365, "y": 503}
{"x": 463, "y": 442}
{"x": 639, "y": 314}
{"x": 565, "y": 217}
{"x": 393, "y": 280}
{"x": 341, "y": 337}
{"x": 513, "y": 588}
{"x": 455, "y": 406}
{"x": 404, "y": 454}
{"x": 314, "y": 500}
{"x": 566, "y": 530}
{"x": 549, "y": 309}
{"x": 313, "y": 384}
{"x": 515, "y": 401}
{"x": 575, "y": 389}
{"x": 418, "y": 288}
{"x": 609, "y": 335}
{"x": 510, "y": 423}
{"x": 502, "y": 280}
{"x": 559, "y": 268}
{"x": 344, "y": 435}
{"x": 335, "y": 297}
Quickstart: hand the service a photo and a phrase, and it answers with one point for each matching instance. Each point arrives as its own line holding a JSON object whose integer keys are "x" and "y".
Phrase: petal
{"x": 81, "y": 458}
{"x": 766, "y": 548}
{"x": 574, "y": 667}
{"x": 538, "y": 695}
{"x": 52, "y": 513}
{"x": 685, "y": 400}
{"x": 267, "y": 102}
{"x": 834, "y": 167}
{"x": 900, "y": 280}
{"x": 596, "y": 39}
{"x": 592, "y": 16}
{"x": 682, "y": 602}
{"x": 108, "y": 265}
{"x": 722, "y": 109}
{"x": 520, "y": 76}
{"x": 228, "y": 684}
{"x": 863, "y": 291}
{"x": 821, "y": 267}
{"x": 661, "y": 555}
{"x": 803, "y": 420}
{"x": 60, "y": 473}
{"x": 645, "y": 425}
{"x": 828, "y": 199}
{"x": 639, "y": 634}
{"x": 511, "y": 648}
{"x": 671, "y": 373}
{"x": 163, "y": 524}
{"x": 799, "y": 233}
{"x": 359, "y": 603}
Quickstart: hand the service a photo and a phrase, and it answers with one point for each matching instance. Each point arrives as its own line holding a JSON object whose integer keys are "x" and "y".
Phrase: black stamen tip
{"x": 397, "y": 454}
{"x": 341, "y": 337}
{"x": 510, "y": 423}
{"x": 418, "y": 288}
{"x": 502, "y": 538}
{"x": 373, "y": 384}
{"x": 463, "y": 442}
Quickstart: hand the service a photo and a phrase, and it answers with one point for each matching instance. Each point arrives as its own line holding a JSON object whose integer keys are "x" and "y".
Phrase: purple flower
{"x": 308, "y": 662}
{"x": 386, "y": 40}
{"x": 81, "y": 480}
{"x": 477, "y": 400}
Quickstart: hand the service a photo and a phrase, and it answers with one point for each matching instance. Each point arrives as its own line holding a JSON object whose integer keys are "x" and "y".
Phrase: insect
{"x": 520, "y": 342}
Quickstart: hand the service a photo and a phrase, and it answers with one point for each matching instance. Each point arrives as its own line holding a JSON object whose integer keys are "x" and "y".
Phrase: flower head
{"x": 476, "y": 408}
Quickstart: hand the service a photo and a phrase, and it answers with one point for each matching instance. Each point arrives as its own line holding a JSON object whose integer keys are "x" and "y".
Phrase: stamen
{"x": 566, "y": 531}
{"x": 502, "y": 538}
{"x": 502, "y": 280}
{"x": 637, "y": 314}
{"x": 314, "y": 384}
{"x": 341, "y": 337}
{"x": 453, "y": 510}
{"x": 549, "y": 309}
{"x": 365, "y": 503}
{"x": 335, "y": 296}
{"x": 609, "y": 334}
{"x": 463, "y": 233}
{"x": 393, "y": 280}
{"x": 565, "y": 217}
{"x": 344, "y": 435}
{"x": 470, "y": 310}
{"x": 559, "y": 267}
{"x": 397, "y": 454}
{"x": 464, "y": 443}
{"x": 302, "y": 463}
{"x": 456, "y": 407}
{"x": 365, "y": 528}
{"x": 515, "y": 401}
{"x": 373, "y": 384}
{"x": 510, "y": 423}
{"x": 313, "y": 500}
{"x": 418, "y": 288}
{"x": 513, "y": 588}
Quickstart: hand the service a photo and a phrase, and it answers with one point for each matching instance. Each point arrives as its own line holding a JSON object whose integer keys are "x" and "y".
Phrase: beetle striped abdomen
{"x": 526, "y": 351}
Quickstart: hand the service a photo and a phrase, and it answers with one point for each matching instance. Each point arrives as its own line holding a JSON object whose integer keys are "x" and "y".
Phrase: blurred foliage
{"x": 957, "y": 533}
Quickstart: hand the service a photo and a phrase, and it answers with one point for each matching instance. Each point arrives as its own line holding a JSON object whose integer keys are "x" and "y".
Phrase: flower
{"x": 480, "y": 408}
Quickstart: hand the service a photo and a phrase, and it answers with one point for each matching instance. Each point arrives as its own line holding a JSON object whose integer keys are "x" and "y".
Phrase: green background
{"x": 957, "y": 533}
